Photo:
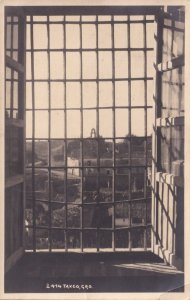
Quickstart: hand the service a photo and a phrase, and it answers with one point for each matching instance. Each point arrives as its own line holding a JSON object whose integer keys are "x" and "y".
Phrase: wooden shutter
{"x": 168, "y": 181}
{"x": 14, "y": 135}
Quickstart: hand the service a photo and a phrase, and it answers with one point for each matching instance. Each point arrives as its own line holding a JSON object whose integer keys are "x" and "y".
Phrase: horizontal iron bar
{"x": 85, "y": 10}
{"x": 90, "y": 228}
{"x": 88, "y": 49}
{"x": 90, "y": 108}
{"x": 91, "y": 80}
{"x": 83, "y": 22}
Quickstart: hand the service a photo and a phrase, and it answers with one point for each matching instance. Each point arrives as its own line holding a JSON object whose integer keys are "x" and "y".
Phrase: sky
{"x": 89, "y": 91}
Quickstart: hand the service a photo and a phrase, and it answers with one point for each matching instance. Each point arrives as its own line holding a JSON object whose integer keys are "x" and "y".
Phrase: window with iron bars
{"x": 89, "y": 90}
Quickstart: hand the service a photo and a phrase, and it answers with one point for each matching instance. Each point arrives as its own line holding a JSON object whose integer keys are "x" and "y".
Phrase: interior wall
{"x": 170, "y": 224}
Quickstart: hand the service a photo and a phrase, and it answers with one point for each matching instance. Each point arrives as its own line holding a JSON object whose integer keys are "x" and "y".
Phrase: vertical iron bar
{"x": 12, "y": 94}
{"x": 49, "y": 135}
{"x": 33, "y": 136}
{"x": 22, "y": 60}
{"x": 156, "y": 143}
{"x": 97, "y": 129}
{"x": 160, "y": 24}
{"x": 65, "y": 144}
{"x": 170, "y": 99}
{"x": 21, "y": 107}
{"x": 114, "y": 133}
{"x": 129, "y": 122}
{"x": 11, "y": 50}
{"x": 81, "y": 141}
{"x": 12, "y": 73}
{"x": 154, "y": 202}
{"x": 145, "y": 141}
{"x": 170, "y": 132}
{"x": 168, "y": 214}
{"x": 161, "y": 220}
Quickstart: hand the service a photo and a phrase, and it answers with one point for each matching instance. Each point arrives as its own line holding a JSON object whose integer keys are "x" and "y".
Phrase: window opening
{"x": 88, "y": 135}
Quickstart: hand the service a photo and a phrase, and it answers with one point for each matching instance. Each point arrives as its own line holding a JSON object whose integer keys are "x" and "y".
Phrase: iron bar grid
{"x": 82, "y": 169}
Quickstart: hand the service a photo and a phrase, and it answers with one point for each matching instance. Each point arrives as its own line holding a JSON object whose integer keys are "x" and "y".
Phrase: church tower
{"x": 93, "y": 133}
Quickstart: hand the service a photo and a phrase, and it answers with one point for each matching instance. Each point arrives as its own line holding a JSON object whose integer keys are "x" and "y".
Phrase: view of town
{"x": 73, "y": 180}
